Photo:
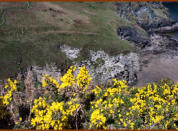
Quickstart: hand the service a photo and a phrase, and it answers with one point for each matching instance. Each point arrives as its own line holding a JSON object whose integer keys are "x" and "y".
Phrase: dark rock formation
{"x": 145, "y": 14}
{"x": 148, "y": 18}
{"x": 131, "y": 34}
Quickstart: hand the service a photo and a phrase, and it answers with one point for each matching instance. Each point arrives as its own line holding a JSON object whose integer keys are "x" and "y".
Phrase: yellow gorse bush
{"x": 54, "y": 115}
{"x": 150, "y": 104}
{"x": 3, "y": 110}
{"x": 9, "y": 88}
{"x": 46, "y": 115}
{"x": 50, "y": 79}
{"x": 108, "y": 103}
{"x": 75, "y": 103}
{"x": 155, "y": 103}
{"x": 98, "y": 119}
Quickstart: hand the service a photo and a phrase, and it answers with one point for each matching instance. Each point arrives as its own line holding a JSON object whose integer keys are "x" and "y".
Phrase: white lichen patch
{"x": 70, "y": 52}
{"x": 104, "y": 67}
{"x": 51, "y": 70}
{"x": 114, "y": 65}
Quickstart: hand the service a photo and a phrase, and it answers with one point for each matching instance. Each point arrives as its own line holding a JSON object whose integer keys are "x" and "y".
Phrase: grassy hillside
{"x": 32, "y": 34}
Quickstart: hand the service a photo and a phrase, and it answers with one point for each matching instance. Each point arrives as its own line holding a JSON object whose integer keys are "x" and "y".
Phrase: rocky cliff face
{"x": 103, "y": 67}
{"x": 150, "y": 20}
{"x": 145, "y": 14}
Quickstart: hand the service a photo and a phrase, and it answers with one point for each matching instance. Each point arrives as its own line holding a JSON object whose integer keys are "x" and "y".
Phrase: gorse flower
{"x": 109, "y": 102}
{"x": 46, "y": 78}
{"x": 11, "y": 86}
{"x": 98, "y": 119}
{"x": 154, "y": 103}
{"x": 44, "y": 83}
{"x": 83, "y": 78}
{"x": 68, "y": 79}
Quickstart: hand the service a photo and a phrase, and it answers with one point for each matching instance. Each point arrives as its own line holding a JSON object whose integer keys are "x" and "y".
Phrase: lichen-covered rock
{"x": 51, "y": 70}
{"x": 104, "y": 67}
{"x": 70, "y": 52}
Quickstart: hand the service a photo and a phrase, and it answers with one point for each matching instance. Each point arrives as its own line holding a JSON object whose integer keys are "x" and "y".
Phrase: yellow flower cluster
{"x": 83, "y": 78}
{"x": 51, "y": 80}
{"x": 150, "y": 104}
{"x": 53, "y": 116}
{"x": 3, "y": 110}
{"x": 43, "y": 80}
{"x": 68, "y": 79}
{"x": 96, "y": 90}
{"x": 73, "y": 105}
{"x": 98, "y": 119}
{"x": 44, "y": 115}
{"x": 109, "y": 103}
{"x": 11, "y": 86}
{"x": 120, "y": 85}
{"x": 155, "y": 103}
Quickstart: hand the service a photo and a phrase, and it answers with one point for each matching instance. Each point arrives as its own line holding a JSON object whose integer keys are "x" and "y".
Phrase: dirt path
{"x": 70, "y": 32}
{"x": 159, "y": 67}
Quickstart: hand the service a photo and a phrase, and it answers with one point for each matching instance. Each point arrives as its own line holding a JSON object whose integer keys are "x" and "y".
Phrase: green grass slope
{"x": 32, "y": 34}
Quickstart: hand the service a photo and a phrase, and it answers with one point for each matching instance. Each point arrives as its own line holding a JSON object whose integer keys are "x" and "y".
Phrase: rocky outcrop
{"x": 51, "y": 70}
{"x": 103, "y": 67}
{"x": 145, "y": 14}
{"x": 131, "y": 34}
{"x": 148, "y": 18}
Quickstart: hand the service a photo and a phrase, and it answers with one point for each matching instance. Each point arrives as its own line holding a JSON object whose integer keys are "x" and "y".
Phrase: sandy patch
{"x": 159, "y": 67}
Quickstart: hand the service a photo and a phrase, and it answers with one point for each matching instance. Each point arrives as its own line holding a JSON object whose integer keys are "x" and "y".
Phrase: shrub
{"x": 74, "y": 103}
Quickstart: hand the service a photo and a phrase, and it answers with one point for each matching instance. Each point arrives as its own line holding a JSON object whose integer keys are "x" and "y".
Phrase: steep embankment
{"x": 102, "y": 31}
